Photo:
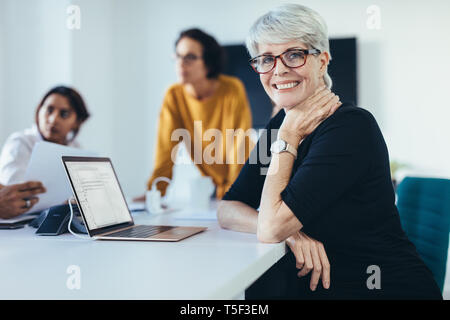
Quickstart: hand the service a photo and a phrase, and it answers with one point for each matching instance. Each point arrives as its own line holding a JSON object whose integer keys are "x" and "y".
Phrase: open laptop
{"x": 103, "y": 206}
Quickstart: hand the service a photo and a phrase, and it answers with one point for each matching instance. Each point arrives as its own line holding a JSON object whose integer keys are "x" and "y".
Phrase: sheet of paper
{"x": 46, "y": 166}
{"x": 136, "y": 206}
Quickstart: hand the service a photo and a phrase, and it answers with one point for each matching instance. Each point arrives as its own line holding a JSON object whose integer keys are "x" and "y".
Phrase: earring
{"x": 70, "y": 136}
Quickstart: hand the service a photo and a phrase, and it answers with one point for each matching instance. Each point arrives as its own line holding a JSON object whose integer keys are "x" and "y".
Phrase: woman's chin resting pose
{"x": 327, "y": 191}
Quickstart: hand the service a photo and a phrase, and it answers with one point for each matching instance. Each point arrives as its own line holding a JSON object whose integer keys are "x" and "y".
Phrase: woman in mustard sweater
{"x": 203, "y": 101}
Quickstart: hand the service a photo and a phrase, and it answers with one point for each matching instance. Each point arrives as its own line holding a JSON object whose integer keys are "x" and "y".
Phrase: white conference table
{"x": 214, "y": 264}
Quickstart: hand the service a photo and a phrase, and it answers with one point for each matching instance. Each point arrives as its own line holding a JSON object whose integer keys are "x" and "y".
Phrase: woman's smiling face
{"x": 288, "y": 87}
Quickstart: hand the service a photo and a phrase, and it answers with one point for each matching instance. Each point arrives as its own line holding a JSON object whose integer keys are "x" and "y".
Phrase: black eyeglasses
{"x": 292, "y": 58}
{"x": 187, "y": 59}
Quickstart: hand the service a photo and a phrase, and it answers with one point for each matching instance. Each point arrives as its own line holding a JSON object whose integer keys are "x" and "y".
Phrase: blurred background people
{"x": 202, "y": 94}
{"x": 58, "y": 119}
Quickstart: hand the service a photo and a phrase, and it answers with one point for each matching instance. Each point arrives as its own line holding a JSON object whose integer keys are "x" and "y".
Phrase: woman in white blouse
{"x": 59, "y": 117}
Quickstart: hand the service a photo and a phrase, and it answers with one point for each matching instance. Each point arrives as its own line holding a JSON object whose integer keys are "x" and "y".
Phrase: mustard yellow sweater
{"x": 213, "y": 153}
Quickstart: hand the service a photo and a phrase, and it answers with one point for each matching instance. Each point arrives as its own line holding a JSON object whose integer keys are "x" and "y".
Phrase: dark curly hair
{"x": 213, "y": 53}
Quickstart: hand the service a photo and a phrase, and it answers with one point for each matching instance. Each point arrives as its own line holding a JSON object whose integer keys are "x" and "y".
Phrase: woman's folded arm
{"x": 237, "y": 216}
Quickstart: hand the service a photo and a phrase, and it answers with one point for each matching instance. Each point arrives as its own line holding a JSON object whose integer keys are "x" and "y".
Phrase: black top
{"x": 341, "y": 191}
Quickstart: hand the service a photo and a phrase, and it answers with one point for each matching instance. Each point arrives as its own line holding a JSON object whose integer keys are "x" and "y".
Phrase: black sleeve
{"x": 338, "y": 157}
{"x": 248, "y": 186}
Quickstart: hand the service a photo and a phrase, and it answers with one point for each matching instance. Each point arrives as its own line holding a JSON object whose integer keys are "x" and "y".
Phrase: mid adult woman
{"x": 58, "y": 119}
{"x": 204, "y": 100}
{"x": 328, "y": 190}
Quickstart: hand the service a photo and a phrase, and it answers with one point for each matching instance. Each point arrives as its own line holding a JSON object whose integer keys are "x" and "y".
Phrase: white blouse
{"x": 16, "y": 154}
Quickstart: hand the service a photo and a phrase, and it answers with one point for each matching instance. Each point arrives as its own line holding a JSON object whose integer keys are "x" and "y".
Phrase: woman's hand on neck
{"x": 287, "y": 108}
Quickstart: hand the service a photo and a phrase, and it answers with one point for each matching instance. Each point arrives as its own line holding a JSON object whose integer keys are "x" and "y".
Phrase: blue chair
{"x": 424, "y": 208}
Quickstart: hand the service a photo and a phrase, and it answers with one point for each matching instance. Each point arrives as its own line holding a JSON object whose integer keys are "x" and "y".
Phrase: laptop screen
{"x": 98, "y": 193}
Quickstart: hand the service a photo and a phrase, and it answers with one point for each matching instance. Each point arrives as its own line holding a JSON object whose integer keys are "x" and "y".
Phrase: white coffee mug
{"x": 153, "y": 201}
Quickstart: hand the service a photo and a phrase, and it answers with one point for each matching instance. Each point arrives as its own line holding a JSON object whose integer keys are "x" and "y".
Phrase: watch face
{"x": 278, "y": 146}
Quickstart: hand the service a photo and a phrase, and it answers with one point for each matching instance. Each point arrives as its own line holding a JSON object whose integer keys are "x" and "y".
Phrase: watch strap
{"x": 291, "y": 150}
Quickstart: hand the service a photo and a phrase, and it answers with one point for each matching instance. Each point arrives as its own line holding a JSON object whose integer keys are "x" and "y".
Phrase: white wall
{"x": 94, "y": 72}
{"x": 120, "y": 60}
{"x": 35, "y": 54}
{"x": 2, "y": 66}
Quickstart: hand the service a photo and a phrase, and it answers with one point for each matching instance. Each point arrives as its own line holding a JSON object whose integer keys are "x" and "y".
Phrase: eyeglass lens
{"x": 189, "y": 58}
{"x": 291, "y": 58}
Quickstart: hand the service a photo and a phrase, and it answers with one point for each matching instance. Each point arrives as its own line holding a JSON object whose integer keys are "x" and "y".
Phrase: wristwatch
{"x": 280, "y": 146}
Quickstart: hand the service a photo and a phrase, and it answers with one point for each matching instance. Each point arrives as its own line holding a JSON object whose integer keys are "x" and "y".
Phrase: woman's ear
{"x": 324, "y": 59}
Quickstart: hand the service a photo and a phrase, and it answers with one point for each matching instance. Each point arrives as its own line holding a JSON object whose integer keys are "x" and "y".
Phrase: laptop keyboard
{"x": 140, "y": 231}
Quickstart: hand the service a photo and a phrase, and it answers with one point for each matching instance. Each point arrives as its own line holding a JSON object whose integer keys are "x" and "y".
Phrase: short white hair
{"x": 290, "y": 22}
